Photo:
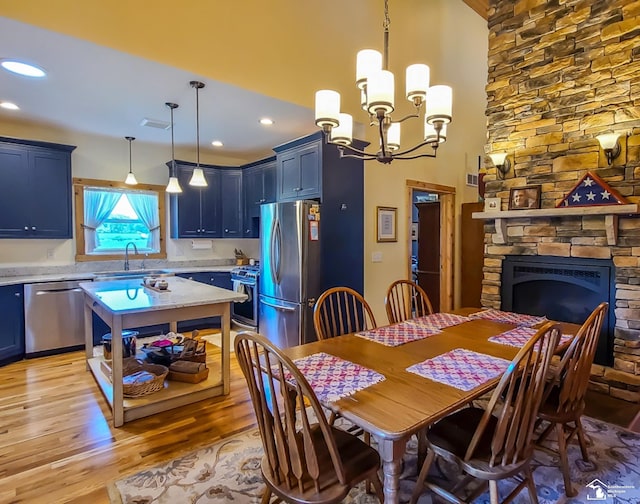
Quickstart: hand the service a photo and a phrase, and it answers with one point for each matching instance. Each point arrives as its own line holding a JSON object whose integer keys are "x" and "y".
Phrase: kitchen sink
{"x": 124, "y": 274}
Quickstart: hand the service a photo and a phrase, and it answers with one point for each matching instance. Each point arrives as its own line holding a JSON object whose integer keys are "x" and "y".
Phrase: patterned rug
{"x": 229, "y": 472}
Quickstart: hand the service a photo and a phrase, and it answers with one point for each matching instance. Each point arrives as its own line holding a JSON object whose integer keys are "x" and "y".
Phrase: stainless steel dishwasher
{"x": 53, "y": 317}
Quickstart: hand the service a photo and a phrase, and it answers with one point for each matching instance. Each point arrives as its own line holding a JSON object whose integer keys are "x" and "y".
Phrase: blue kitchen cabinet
{"x": 231, "y": 202}
{"x": 299, "y": 170}
{"x": 216, "y": 278}
{"x": 196, "y": 211}
{"x": 36, "y": 194}
{"x": 11, "y": 323}
{"x": 258, "y": 187}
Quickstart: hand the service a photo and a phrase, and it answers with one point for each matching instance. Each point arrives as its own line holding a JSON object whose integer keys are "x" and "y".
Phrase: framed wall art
{"x": 387, "y": 224}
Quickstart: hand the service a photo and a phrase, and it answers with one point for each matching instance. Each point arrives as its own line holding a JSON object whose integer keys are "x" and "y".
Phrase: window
{"x": 111, "y": 214}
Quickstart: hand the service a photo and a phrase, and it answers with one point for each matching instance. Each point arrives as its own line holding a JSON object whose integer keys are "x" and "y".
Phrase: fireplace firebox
{"x": 565, "y": 289}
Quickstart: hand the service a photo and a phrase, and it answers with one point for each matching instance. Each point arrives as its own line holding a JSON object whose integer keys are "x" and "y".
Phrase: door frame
{"x": 447, "y": 198}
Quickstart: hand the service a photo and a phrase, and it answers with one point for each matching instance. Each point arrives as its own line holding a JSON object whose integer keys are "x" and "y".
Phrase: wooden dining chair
{"x": 341, "y": 310}
{"x": 305, "y": 460}
{"x": 406, "y": 300}
{"x": 563, "y": 401}
{"x": 495, "y": 442}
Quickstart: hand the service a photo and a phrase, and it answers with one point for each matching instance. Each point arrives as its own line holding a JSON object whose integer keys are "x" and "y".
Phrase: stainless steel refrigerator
{"x": 290, "y": 271}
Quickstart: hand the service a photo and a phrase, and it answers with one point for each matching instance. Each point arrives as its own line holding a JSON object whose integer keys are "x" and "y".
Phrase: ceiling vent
{"x": 155, "y": 123}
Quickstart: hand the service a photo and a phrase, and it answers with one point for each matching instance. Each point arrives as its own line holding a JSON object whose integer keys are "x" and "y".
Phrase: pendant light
{"x": 173, "y": 186}
{"x": 131, "y": 178}
{"x": 197, "y": 179}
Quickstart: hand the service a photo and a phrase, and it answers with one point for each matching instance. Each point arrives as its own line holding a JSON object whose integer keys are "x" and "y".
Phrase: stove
{"x": 245, "y": 280}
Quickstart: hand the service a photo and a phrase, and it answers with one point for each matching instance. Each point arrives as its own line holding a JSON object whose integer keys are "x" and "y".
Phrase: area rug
{"x": 229, "y": 472}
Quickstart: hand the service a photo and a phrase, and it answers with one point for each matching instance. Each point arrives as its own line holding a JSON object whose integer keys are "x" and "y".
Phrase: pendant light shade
{"x": 173, "y": 186}
{"x": 131, "y": 178}
{"x": 197, "y": 179}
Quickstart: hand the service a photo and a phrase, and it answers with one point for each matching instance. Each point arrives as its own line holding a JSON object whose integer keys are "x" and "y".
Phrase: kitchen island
{"x": 124, "y": 304}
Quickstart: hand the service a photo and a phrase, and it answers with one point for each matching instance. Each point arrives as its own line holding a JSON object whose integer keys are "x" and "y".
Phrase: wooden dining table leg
{"x": 391, "y": 452}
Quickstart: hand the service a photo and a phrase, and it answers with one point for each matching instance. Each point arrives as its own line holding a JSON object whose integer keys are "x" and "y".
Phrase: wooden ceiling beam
{"x": 480, "y": 6}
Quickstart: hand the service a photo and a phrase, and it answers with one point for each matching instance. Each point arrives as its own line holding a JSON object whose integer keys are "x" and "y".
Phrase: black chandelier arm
{"x": 357, "y": 153}
{"x": 410, "y": 116}
{"x": 409, "y": 151}
{"x": 383, "y": 140}
{"x": 352, "y": 149}
{"x": 426, "y": 154}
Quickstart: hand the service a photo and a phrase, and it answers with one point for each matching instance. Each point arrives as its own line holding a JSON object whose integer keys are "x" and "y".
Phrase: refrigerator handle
{"x": 277, "y": 307}
{"x": 276, "y": 247}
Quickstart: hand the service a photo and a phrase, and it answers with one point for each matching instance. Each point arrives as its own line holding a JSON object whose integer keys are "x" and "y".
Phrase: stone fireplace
{"x": 559, "y": 74}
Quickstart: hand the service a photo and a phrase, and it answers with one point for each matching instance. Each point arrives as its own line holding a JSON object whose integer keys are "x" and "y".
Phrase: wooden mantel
{"x": 610, "y": 213}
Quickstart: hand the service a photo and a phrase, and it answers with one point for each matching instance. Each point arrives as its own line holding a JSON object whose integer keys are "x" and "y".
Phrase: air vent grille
{"x": 155, "y": 123}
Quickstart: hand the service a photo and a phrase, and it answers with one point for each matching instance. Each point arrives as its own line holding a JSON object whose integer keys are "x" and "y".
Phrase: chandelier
{"x": 376, "y": 84}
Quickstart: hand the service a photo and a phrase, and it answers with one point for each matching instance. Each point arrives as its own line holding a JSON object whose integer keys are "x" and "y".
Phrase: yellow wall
{"x": 288, "y": 49}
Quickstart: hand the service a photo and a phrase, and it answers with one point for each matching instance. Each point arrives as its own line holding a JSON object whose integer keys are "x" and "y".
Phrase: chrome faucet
{"x": 126, "y": 254}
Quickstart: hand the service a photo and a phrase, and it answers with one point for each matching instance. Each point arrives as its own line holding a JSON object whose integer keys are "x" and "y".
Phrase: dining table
{"x": 400, "y": 403}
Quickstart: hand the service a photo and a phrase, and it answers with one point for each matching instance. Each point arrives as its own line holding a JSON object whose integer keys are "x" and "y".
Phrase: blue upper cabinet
{"x": 231, "y": 197}
{"x": 299, "y": 171}
{"x": 35, "y": 194}
{"x": 258, "y": 187}
{"x": 196, "y": 211}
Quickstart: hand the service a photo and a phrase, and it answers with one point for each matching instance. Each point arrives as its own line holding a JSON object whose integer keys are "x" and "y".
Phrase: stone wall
{"x": 560, "y": 73}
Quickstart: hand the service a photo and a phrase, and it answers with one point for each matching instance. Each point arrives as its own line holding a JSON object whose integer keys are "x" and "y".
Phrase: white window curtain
{"x": 98, "y": 205}
{"x": 146, "y": 206}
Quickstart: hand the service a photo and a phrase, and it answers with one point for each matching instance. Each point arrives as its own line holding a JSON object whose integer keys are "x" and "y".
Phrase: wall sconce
{"x": 501, "y": 162}
{"x": 610, "y": 145}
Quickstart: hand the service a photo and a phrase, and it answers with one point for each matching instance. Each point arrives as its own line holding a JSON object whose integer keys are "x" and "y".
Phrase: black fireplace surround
{"x": 565, "y": 289}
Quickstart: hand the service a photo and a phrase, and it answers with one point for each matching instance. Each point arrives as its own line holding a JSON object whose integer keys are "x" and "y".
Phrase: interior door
{"x": 472, "y": 241}
{"x": 429, "y": 250}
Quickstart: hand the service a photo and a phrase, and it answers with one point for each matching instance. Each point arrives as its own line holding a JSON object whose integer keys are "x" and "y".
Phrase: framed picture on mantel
{"x": 387, "y": 224}
{"x": 524, "y": 198}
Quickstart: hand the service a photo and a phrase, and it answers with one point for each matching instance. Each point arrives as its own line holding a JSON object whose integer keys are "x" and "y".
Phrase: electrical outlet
{"x": 376, "y": 257}
{"x": 51, "y": 253}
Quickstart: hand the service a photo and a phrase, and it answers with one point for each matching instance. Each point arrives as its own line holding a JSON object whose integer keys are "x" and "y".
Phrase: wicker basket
{"x": 137, "y": 388}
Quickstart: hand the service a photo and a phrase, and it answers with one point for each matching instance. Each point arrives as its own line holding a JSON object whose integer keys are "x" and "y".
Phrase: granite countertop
{"x": 130, "y": 296}
{"x": 23, "y": 275}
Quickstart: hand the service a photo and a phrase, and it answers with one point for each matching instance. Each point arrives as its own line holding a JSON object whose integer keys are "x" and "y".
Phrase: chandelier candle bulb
{"x": 417, "y": 82}
{"x": 393, "y": 137}
{"x": 380, "y": 91}
{"x": 439, "y": 100}
{"x": 327, "y": 108}
{"x": 343, "y": 133}
{"x": 368, "y": 61}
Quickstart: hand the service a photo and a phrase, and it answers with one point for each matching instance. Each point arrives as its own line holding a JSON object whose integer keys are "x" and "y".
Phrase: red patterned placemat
{"x": 519, "y": 319}
{"x": 439, "y": 320}
{"x": 398, "y": 334}
{"x": 331, "y": 377}
{"x": 461, "y": 368}
{"x": 519, "y": 336}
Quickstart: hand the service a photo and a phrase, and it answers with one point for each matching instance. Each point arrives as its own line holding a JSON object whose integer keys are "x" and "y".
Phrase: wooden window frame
{"x": 79, "y": 184}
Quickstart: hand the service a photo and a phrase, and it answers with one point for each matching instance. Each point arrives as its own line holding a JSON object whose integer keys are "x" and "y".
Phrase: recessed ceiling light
{"x": 9, "y": 106}
{"x": 21, "y": 68}
{"x": 217, "y": 143}
{"x": 265, "y": 121}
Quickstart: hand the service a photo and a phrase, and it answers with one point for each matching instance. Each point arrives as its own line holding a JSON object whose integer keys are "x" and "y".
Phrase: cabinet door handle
{"x": 33, "y": 228}
{"x": 17, "y": 294}
{"x": 263, "y": 200}
{"x": 298, "y": 189}
{"x": 248, "y": 231}
{"x": 26, "y": 228}
{"x": 226, "y": 230}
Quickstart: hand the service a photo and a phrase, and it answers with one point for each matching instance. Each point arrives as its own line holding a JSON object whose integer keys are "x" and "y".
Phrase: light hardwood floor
{"x": 57, "y": 442}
